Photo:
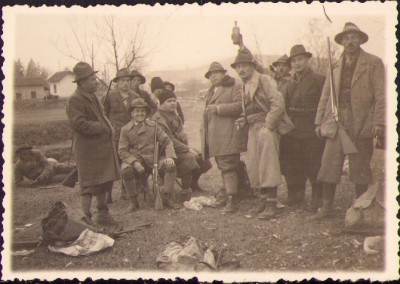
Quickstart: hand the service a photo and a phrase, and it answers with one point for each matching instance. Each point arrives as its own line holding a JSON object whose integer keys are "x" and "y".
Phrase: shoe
{"x": 134, "y": 205}
{"x": 230, "y": 206}
{"x": 269, "y": 211}
{"x": 170, "y": 201}
{"x": 258, "y": 208}
{"x": 105, "y": 219}
{"x": 314, "y": 206}
{"x": 220, "y": 198}
{"x": 185, "y": 195}
{"x": 325, "y": 212}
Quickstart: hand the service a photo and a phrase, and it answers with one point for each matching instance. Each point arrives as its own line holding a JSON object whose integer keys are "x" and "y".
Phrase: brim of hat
{"x": 233, "y": 65}
{"x": 148, "y": 109}
{"x": 22, "y": 148}
{"x": 117, "y": 77}
{"x": 84, "y": 76}
{"x": 276, "y": 63}
{"x": 207, "y": 75}
{"x": 339, "y": 37}
{"x": 306, "y": 53}
{"x": 142, "y": 78}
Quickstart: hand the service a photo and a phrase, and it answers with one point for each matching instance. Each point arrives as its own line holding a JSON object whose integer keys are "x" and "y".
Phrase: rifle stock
{"x": 347, "y": 145}
{"x": 158, "y": 205}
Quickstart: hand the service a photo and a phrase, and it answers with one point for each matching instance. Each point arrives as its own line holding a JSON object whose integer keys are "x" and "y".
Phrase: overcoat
{"x": 302, "y": 103}
{"x": 116, "y": 111}
{"x": 218, "y": 132}
{"x": 95, "y": 153}
{"x": 367, "y": 97}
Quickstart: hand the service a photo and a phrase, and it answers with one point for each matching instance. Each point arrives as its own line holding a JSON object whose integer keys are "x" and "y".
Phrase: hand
{"x": 240, "y": 122}
{"x": 378, "y": 131}
{"x": 169, "y": 163}
{"x": 138, "y": 167}
{"x": 318, "y": 131}
{"x": 212, "y": 109}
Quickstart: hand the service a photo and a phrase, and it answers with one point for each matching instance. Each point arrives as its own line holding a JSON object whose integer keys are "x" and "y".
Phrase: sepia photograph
{"x": 234, "y": 142}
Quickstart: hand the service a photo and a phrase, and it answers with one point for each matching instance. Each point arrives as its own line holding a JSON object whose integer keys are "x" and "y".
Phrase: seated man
{"x": 33, "y": 165}
{"x": 136, "y": 150}
{"x": 189, "y": 163}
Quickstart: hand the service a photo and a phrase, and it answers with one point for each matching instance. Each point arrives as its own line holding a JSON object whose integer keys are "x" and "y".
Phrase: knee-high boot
{"x": 270, "y": 210}
{"x": 231, "y": 185}
{"x": 328, "y": 194}
{"x": 131, "y": 189}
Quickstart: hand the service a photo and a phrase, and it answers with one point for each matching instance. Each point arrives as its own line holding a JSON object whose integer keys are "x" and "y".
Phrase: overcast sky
{"x": 192, "y": 35}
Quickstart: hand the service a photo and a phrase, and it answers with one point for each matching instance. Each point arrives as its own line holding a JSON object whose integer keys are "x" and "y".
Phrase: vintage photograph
{"x": 234, "y": 142}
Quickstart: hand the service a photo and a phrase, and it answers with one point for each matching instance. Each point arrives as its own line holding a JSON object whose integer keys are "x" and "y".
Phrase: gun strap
{"x": 244, "y": 105}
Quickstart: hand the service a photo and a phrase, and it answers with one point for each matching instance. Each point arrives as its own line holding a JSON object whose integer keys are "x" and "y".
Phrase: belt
{"x": 302, "y": 110}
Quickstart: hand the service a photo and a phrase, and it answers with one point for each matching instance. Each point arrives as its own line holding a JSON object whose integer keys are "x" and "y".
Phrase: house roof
{"x": 59, "y": 75}
{"x": 30, "y": 82}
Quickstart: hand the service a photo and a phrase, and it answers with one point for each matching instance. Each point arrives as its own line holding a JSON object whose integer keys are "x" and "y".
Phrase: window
{"x": 55, "y": 89}
{"x": 33, "y": 95}
{"x": 19, "y": 96}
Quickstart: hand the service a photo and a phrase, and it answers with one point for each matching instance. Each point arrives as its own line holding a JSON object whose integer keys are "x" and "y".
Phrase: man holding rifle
{"x": 136, "y": 149}
{"x": 350, "y": 114}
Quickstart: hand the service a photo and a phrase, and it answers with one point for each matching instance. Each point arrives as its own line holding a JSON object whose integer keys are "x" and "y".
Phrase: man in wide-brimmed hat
{"x": 116, "y": 104}
{"x": 267, "y": 119}
{"x": 36, "y": 167}
{"x": 359, "y": 82}
{"x": 136, "y": 149}
{"x": 301, "y": 150}
{"x": 190, "y": 166}
{"x": 96, "y": 157}
{"x": 219, "y": 137}
{"x": 281, "y": 68}
{"x": 137, "y": 80}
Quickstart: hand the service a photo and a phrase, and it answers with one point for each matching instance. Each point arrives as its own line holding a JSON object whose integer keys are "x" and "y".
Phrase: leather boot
{"x": 360, "y": 189}
{"x": 109, "y": 196}
{"x": 270, "y": 210}
{"x": 230, "y": 205}
{"x": 291, "y": 196}
{"x": 328, "y": 195}
{"x": 103, "y": 217}
{"x": 259, "y": 206}
{"x": 170, "y": 201}
{"x": 134, "y": 204}
{"x": 220, "y": 197}
{"x": 194, "y": 184}
{"x": 185, "y": 194}
{"x": 131, "y": 190}
{"x": 316, "y": 197}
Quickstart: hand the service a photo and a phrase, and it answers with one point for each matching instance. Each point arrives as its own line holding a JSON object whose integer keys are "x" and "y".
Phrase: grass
{"x": 291, "y": 242}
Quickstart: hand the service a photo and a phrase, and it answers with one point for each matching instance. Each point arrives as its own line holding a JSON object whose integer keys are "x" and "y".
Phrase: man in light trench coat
{"x": 359, "y": 81}
{"x": 95, "y": 152}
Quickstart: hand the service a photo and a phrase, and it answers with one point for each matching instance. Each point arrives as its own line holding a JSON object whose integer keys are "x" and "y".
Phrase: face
{"x": 299, "y": 63}
{"x": 169, "y": 105}
{"x": 169, "y": 87}
{"x": 216, "y": 77}
{"x": 244, "y": 70}
{"x": 123, "y": 84}
{"x": 139, "y": 114}
{"x": 282, "y": 69}
{"x": 135, "y": 83}
{"x": 351, "y": 43}
{"x": 156, "y": 92}
{"x": 90, "y": 84}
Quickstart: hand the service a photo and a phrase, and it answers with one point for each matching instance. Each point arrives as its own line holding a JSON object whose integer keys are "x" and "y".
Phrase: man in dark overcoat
{"x": 219, "y": 136}
{"x": 301, "y": 149}
{"x": 95, "y": 154}
{"x": 359, "y": 83}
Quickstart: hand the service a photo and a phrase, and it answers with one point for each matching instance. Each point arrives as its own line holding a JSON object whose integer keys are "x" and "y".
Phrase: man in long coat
{"x": 95, "y": 154}
{"x": 301, "y": 149}
{"x": 267, "y": 119}
{"x": 219, "y": 136}
{"x": 359, "y": 82}
{"x": 116, "y": 105}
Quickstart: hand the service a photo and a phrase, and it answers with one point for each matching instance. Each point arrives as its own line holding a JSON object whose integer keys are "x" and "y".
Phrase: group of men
{"x": 285, "y": 124}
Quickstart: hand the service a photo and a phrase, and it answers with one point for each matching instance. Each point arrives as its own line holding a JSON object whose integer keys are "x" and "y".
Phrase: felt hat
{"x": 82, "y": 70}
{"x": 298, "y": 49}
{"x": 214, "y": 66}
{"x": 135, "y": 73}
{"x": 282, "y": 59}
{"x": 166, "y": 83}
{"x": 165, "y": 95}
{"x": 156, "y": 83}
{"x": 22, "y": 147}
{"x": 137, "y": 103}
{"x": 351, "y": 28}
{"x": 243, "y": 57}
{"x": 121, "y": 73}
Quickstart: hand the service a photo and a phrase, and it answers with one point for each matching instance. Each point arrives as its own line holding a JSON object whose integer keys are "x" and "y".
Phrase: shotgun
{"x": 158, "y": 205}
{"x": 347, "y": 145}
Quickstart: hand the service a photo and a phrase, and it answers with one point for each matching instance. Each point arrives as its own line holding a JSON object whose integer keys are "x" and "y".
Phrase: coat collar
{"x": 131, "y": 124}
{"x": 252, "y": 84}
{"x": 361, "y": 66}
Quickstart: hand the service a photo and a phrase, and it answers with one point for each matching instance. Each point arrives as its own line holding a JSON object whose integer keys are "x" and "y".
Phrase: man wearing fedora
{"x": 116, "y": 105}
{"x": 94, "y": 148}
{"x": 301, "y": 149}
{"x": 281, "y": 70}
{"x": 136, "y": 149}
{"x": 219, "y": 136}
{"x": 35, "y": 166}
{"x": 189, "y": 163}
{"x": 137, "y": 80}
{"x": 267, "y": 119}
{"x": 359, "y": 82}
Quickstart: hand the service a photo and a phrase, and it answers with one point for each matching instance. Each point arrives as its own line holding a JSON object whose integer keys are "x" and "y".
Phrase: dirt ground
{"x": 290, "y": 242}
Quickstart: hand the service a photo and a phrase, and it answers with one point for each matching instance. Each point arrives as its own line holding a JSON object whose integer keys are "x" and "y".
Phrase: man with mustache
{"x": 359, "y": 82}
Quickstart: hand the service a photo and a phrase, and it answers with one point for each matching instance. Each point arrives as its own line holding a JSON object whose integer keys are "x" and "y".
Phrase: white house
{"x": 61, "y": 83}
{"x": 30, "y": 88}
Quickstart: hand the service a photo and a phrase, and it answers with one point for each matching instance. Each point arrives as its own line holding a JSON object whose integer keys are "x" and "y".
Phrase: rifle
{"x": 158, "y": 205}
{"x": 347, "y": 145}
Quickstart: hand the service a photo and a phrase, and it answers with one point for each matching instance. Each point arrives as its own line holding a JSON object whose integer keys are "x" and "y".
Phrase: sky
{"x": 183, "y": 37}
